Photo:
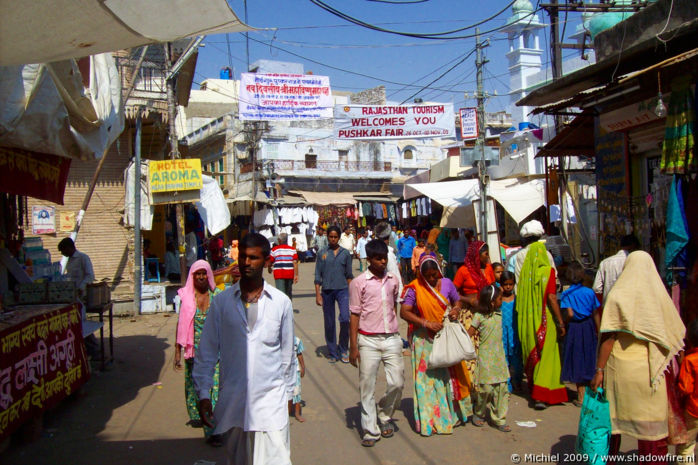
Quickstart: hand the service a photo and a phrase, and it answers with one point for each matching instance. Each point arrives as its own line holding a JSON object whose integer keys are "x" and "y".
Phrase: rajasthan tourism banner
{"x": 374, "y": 122}
{"x": 42, "y": 360}
{"x": 284, "y": 97}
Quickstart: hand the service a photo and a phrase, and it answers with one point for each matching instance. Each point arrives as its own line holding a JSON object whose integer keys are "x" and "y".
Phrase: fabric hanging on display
{"x": 404, "y": 210}
{"x": 385, "y": 210}
{"x": 428, "y": 202}
{"x": 361, "y": 211}
{"x": 678, "y": 148}
{"x": 391, "y": 213}
{"x": 356, "y": 213}
{"x": 676, "y": 232}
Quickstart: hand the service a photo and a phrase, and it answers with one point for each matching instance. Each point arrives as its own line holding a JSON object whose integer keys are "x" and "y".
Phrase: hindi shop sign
{"x": 468, "y": 123}
{"x": 284, "y": 97}
{"x": 43, "y": 360}
{"x": 175, "y": 175}
{"x": 373, "y": 122}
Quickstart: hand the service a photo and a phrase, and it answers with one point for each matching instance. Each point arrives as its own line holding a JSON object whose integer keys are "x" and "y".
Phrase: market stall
{"x": 43, "y": 361}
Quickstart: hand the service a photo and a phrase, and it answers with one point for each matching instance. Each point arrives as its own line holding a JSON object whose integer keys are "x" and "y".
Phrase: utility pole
{"x": 556, "y": 61}
{"x": 482, "y": 166}
{"x": 174, "y": 154}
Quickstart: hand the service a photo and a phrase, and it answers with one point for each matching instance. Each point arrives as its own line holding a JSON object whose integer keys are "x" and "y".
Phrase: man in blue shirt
{"x": 405, "y": 246}
{"x": 456, "y": 250}
{"x": 332, "y": 277}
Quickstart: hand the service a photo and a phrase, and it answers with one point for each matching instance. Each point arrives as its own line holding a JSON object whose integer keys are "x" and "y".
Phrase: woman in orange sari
{"x": 441, "y": 395}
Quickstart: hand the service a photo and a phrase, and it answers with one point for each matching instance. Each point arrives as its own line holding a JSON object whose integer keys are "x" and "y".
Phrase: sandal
{"x": 504, "y": 428}
{"x": 540, "y": 406}
{"x": 576, "y": 403}
{"x": 387, "y": 429}
{"x": 477, "y": 421}
{"x": 368, "y": 442}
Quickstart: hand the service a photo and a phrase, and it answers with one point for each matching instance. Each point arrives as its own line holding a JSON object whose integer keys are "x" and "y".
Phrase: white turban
{"x": 532, "y": 228}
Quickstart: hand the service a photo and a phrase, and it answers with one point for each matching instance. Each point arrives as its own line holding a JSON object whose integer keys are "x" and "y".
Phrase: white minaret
{"x": 525, "y": 55}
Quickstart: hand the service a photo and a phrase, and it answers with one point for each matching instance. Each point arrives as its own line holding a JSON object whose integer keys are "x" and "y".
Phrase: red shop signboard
{"x": 42, "y": 361}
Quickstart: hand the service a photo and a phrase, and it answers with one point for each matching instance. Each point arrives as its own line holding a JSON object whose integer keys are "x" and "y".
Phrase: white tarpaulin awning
{"x": 518, "y": 198}
{"x": 43, "y": 32}
{"x": 47, "y": 109}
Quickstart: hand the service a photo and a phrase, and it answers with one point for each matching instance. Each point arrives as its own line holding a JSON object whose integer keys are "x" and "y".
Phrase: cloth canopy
{"x": 39, "y": 32}
{"x": 518, "y": 198}
{"x": 328, "y": 198}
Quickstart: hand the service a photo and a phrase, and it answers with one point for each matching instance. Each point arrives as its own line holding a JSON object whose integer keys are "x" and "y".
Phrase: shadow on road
{"x": 407, "y": 407}
{"x": 352, "y": 416}
{"x": 564, "y": 448}
{"x": 71, "y": 430}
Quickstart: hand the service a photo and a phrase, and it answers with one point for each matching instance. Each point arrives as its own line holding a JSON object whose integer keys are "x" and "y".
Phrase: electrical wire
{"x": 441, "y": 75}
{"x": 434, "y": 35}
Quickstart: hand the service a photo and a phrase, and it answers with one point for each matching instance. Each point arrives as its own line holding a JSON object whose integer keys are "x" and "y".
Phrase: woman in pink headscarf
{"x": 195, "y": 298}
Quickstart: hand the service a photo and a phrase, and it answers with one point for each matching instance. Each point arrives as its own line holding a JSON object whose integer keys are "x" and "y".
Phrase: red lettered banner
{"x": 33, "y": 174}
{"x": 42, "y": 360}
{"x": 376, "y": 122}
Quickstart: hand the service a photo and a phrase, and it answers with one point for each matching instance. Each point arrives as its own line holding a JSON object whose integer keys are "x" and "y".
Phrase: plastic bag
{"x": 451, "y": 346}
{"x": 594, "y": 436}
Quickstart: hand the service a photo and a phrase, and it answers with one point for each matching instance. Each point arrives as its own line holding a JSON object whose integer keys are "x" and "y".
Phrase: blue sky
{"x": 300, "y": 27}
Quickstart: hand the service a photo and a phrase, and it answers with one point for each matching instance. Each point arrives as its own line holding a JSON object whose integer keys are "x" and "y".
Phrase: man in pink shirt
{"x": 374, "y": 338}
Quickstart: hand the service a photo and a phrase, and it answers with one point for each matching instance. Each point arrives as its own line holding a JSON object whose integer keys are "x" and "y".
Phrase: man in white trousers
{"x": 251, "y": 326}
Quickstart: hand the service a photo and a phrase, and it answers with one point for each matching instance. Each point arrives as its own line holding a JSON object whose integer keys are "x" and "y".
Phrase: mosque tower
{"x": 525, "y": 55}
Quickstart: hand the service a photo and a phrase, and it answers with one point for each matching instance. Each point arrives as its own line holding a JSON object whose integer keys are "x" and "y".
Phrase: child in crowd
{"x": 498, "y": 268}
{"x": 510, "y": 332}
{"x": 582, "y": 309}
{"x": 416, "y": 253}
{"x": 300, "y": 373}
{"x": 689, "y": 387}
{"x": 374, "y": 338}
{"x": 492, "y": 372}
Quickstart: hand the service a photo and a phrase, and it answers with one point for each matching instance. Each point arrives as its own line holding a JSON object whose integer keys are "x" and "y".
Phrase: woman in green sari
{"x": 536, "y": 304}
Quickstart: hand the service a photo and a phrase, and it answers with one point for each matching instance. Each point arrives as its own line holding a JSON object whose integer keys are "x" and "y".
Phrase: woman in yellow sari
{"x": 641, "y": 333}
{"x": 441, "y": 395}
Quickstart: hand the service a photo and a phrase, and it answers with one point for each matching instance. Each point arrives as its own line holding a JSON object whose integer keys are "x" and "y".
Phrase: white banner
{"x": 393, "y": 122}
{"x": 468, "y": 123}
{"x": 284, "y": 97}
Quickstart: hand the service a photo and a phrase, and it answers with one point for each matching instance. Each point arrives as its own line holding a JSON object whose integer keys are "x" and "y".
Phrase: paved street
{"x": 123, "y": 416}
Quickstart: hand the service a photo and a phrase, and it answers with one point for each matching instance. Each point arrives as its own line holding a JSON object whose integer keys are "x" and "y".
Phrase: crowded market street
{"x": 134, "y": 413}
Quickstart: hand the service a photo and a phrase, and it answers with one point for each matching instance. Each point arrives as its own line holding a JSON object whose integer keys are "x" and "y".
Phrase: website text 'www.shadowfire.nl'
{"x": 585, "y": 458}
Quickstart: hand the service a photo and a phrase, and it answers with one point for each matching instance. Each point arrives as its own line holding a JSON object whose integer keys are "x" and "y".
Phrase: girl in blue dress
{"x": 581, "y": 306}
{"x": 510, "y": 332}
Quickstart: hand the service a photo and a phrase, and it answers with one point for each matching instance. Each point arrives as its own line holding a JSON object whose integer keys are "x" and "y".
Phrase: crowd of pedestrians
{"x": 529, "y": 334}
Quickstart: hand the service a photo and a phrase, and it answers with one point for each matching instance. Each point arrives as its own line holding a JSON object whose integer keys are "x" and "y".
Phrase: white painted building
{"x": 303, "y": 153}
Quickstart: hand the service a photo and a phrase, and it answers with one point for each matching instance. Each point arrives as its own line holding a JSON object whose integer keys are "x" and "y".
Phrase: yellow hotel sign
{"x": 175, "y": 175}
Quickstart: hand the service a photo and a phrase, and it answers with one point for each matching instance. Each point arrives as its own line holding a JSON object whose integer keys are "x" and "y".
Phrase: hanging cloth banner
{"x": 32, "y": 174}
{"x": 374, "y": 122}
{"x": 284, "y": 97}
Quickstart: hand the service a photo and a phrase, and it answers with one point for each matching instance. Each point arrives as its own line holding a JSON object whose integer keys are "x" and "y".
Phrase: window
{"x": 407, "y": 154}
{"x": 310, "y": 161}
{"x": 343, "y": 158}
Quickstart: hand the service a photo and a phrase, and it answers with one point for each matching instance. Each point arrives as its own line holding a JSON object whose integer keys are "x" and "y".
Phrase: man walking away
{"x": 405, "y": 247}
{"x": 332, "y": 277}
{"x": 250, "y": 328}
{"x": 284, "y": 263}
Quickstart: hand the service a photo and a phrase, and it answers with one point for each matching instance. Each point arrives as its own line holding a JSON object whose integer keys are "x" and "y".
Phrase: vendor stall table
{"x": 101, "y": 309}
{"x": 42, "y": 361}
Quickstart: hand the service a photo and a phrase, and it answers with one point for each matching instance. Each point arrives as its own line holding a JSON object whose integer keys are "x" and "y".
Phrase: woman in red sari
{"x": 476, "y": 272}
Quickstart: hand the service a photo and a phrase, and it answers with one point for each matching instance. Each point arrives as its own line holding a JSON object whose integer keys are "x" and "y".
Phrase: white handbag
{"x": 451, "y": 346}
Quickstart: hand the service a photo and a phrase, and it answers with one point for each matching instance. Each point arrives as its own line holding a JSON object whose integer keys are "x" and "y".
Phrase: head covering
{"x": 427, "y": 257}
{"x": 639, "y": 304}
{"x": 532, "y": 228}
{"x": 472, "y": 263}
{"x": 433, "y": 235}
{"x": 187, "y": 309}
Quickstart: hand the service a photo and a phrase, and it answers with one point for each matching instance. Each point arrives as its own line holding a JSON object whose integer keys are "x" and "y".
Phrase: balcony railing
{"x": 323, "y": 165}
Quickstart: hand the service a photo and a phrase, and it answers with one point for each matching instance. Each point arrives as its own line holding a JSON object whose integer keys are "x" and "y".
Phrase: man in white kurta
{"x": 251, "y": 327}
